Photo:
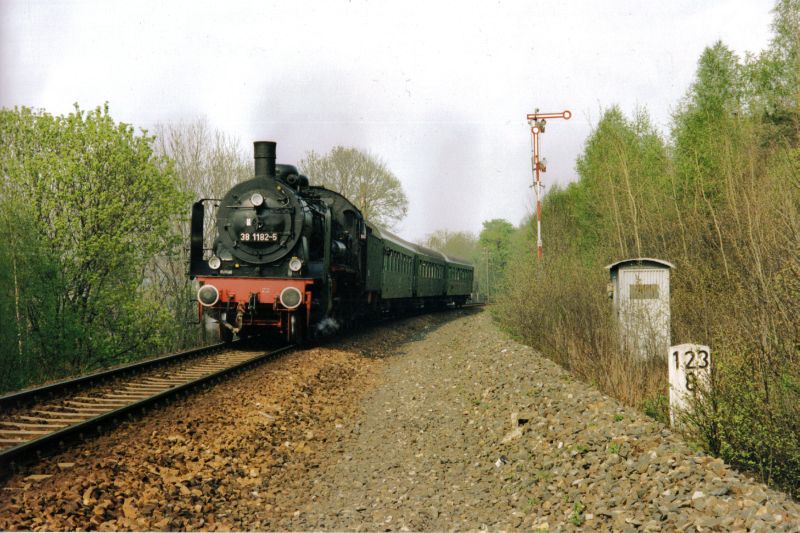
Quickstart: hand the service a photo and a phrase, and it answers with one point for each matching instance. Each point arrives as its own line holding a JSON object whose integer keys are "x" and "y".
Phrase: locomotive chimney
{"x": 264, "y": 153}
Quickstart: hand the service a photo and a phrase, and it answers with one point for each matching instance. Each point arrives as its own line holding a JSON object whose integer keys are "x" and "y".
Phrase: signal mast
{"x": 537, "y": 122}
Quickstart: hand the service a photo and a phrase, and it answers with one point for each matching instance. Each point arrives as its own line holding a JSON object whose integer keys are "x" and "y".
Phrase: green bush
{"x": 85, "y": 206}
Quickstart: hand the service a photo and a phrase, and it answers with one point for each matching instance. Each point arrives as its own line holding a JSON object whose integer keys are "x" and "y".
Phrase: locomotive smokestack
{"x": 264, "y": 153}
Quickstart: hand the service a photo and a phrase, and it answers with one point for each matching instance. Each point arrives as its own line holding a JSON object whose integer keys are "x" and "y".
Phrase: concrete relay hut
{"x": 640, "y": 291}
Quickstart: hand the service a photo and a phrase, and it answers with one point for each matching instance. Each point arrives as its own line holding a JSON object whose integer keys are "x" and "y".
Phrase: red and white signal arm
{"x": 689, "y": 375}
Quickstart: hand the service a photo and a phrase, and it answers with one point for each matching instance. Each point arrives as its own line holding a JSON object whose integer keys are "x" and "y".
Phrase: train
{"x": 277, "y": 256}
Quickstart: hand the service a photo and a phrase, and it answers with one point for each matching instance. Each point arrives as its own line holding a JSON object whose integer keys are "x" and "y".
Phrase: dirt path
{"x": 431, "y": 423}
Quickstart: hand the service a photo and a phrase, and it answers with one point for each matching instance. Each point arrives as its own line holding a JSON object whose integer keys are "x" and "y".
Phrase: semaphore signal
{"x": 537, "y": 121}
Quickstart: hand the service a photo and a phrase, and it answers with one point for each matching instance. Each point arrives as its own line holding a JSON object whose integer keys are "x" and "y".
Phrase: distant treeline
{"x": 720, "y": 198}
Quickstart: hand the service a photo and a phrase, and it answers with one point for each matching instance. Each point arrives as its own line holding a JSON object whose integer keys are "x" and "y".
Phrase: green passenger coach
{"x": 412, "y": 275}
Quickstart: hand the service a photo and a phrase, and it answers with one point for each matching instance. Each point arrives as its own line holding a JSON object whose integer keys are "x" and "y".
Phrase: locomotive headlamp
{"x": 291, "y": 297}
{"x": 215, "y": 262}
{"x": 256, "y": 199}
{"x": 208, "y": 295}
{"x": 295, "y": 264}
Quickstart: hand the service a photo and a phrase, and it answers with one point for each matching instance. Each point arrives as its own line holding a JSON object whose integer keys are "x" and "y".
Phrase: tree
{"x": 623, "y": 164}
{"x": 495, "y": 238}
{"x": 773, "y": 76}
{"x": 206, "y": 163}
{"x": 92, "y": 204}
{"x": 362, "y": 178}
{"x": 785, "y": 51}
{"x": 495, "y": 245}
{"x": 459, "y": 244}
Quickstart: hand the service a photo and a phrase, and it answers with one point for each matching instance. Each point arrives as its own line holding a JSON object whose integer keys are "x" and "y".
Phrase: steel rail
{"x": 35, "y": 393}
{"x": 10, "y": 455}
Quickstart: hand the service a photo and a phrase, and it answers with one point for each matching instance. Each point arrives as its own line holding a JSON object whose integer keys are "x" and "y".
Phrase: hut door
{"x": 644, "y": 310}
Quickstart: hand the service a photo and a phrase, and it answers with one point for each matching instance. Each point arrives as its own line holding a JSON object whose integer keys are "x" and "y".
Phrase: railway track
{"x": 44, "y": 418}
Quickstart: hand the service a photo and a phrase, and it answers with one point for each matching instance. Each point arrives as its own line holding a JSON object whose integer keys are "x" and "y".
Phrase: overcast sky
{"x": 439, "y": 90}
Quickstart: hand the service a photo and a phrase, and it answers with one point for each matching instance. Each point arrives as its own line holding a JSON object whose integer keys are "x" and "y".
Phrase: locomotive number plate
{"x": 259, "y": 237}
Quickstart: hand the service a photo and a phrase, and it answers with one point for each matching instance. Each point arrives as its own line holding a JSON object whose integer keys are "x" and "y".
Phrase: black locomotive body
{"x": 299, "y": 260}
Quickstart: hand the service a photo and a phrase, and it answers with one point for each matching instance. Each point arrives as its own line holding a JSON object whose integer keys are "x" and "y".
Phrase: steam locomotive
{"x": 300, "y": 261}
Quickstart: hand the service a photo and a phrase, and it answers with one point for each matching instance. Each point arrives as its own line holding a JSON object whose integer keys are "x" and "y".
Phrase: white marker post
{"x": 689, "y": 373}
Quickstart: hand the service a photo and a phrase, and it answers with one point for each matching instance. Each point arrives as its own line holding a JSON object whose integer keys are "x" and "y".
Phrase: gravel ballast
{"x": 431, "y": 423}
{"x": 470, "y": 430}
